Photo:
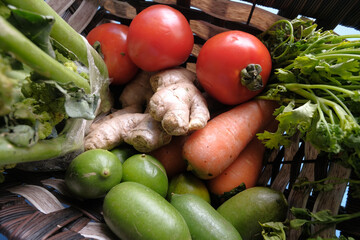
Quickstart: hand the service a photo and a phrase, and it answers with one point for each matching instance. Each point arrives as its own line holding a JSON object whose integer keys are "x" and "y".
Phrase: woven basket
{"x": 37, "y": 205}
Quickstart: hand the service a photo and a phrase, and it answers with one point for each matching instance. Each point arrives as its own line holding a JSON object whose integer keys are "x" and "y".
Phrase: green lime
{"x": 147, "y": 170}
{"x": 123, "y": 152}
{"x": 188, "y": 183}
{"x": 93, "y": 173}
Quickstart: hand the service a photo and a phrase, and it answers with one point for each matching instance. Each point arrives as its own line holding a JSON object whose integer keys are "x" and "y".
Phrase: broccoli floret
{"x": 43, "y": 105}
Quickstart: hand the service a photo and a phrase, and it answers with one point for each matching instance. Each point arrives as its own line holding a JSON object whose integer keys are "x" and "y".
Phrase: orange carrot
{"x": 245, "y": 169}
{"x": 170, "y": 156}
{"x": 210, "y": 150}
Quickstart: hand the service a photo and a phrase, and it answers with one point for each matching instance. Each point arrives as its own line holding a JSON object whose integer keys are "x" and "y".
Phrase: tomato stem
{"x": 251, "y": 78}
{"x": 97, "y": 47}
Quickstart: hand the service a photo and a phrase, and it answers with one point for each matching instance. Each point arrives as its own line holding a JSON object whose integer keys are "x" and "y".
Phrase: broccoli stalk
{"x": 59, "y": 82}
{"x": 11, "y": 40}
{"x": 62, "y": 32}
{"x": 42, "y": 150}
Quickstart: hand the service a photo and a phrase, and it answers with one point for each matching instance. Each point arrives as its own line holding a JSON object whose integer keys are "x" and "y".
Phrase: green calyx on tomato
{"x": 251, "y": 78}
{"x": 97, "y": 47}
{"x": 221, "y": 60}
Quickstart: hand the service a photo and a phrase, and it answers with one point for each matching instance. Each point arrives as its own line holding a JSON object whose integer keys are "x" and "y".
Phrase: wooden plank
{"x": 205, "y": 30}
{"x": 238, "y": 12}
{"x": 299, "y": 197}
{"x": 266, "y": 173}
{"x": 119, "y": 9}
{"x": 331, "y": 200}
{"x": 283, "y": 177}
{"x": 60, "y": 6}
{"x": 83, "y": 15}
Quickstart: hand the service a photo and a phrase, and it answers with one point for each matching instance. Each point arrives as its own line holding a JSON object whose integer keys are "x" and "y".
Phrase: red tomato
{"x": 112, "y": 38}
{"x": 159, "y": 37}
{"x": 221, "y": 61}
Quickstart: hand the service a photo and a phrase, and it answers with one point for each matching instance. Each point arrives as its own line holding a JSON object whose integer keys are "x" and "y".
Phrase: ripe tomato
{"x": 112, "y": 38}
{"x": 159, "y": 37}
{"x": 221, "y": 62}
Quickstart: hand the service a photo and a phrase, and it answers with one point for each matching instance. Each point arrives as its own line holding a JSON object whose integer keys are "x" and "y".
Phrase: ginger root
{"x": 177, "y": 103}
{"x": 154, "y": 108}
{"x": 137, "y": 129}
{"x": 129, "y": 124}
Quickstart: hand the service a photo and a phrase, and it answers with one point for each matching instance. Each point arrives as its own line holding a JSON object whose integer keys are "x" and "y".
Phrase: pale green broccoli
{"x": 10, "y": 90}
{"x": 45, "y": 93}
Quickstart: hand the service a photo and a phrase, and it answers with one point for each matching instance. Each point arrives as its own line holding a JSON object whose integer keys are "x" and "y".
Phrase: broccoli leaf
{"x": 21, "y": 135}
{"x": 34, "y": 26}
{"x": 4, "y": 10}
{"x": 79, "y": 105}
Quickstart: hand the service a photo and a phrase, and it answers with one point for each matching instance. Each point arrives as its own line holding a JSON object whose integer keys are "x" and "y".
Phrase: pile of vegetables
{"x": 293, "y": 78}
{"x": 313, "y": 90}
{"x": 48, "y": 86}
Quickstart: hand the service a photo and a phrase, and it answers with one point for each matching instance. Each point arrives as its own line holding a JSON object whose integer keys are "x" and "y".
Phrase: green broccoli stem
{"x": 63, "y": 32}
{"x": 42, "y": 150}
{"x": 13, "y": 41}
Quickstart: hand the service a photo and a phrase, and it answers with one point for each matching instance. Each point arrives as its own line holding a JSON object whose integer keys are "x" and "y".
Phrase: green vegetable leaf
{"x": 296, "y": 119}
{"x": 298, "y": 223}
{"x": 304, "y": 216}
{"x": 290, "y": 120}
{"x": 34, "y": 26}
{"x": 273, "y": 140}
{"x": 273, "y": 231}
{"x": 301, "y": 213}
{"x": 21, "y": 135}
{"x": 306, "y": 64}
{"x": 4, "y": 10}
{"x": 345, "y": 68}
{"x": 79, "y": 105}
{"x": 285, "y": 75}
{"x": 316, "y": 81}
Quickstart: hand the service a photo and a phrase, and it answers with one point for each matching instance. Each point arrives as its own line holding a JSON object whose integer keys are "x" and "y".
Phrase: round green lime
{"x": 147, "y": 170}
{"x": 187, "y": 182}
{"x": 93, "y": 173}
